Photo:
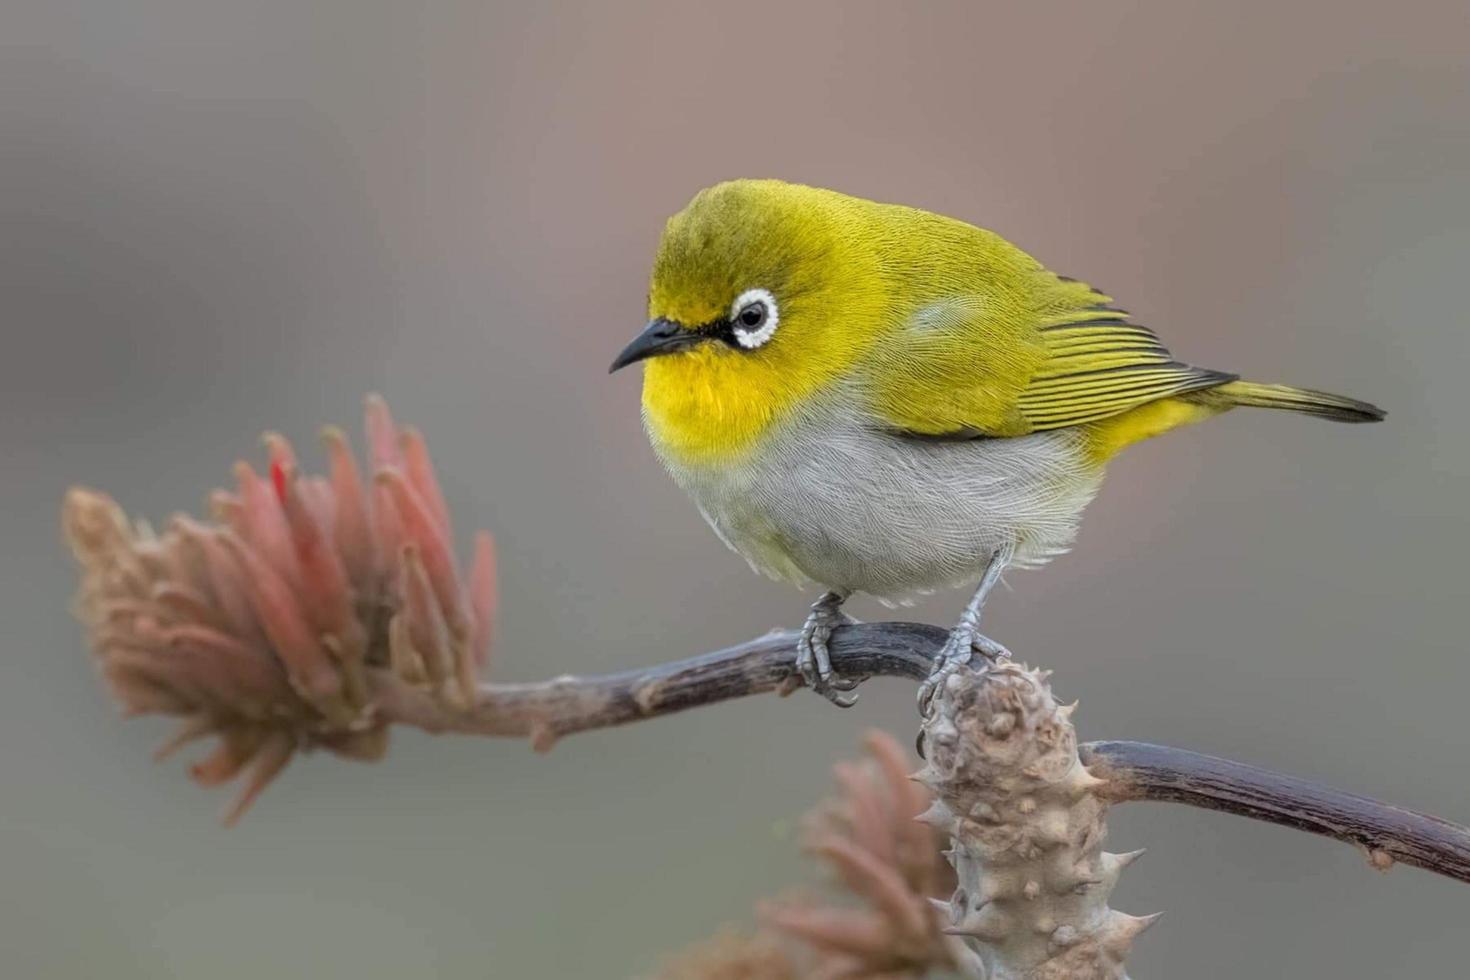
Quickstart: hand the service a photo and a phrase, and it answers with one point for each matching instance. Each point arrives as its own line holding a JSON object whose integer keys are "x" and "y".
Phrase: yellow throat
{"x": 712, "y": 404}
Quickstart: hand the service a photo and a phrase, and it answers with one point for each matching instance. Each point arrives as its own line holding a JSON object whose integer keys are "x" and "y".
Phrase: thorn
{"x": 1144, "y": 921}
{"x": 1083, "y": 782}
{"x": 927, "y": 777}
{"x": 983, "y": 924}
{"x": 938, "y": 815}
{"x": 1031, "y": 891}
{"x": 1121, "y": 929}
{"x": 1121, "y": 861}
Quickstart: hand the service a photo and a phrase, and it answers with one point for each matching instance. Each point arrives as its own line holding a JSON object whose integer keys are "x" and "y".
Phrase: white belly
{"x": 841, "y": 504}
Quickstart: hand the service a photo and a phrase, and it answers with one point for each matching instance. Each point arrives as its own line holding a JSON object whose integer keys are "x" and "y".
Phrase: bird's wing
{"x": 1052, "y": 356}
{"x": 1097, "y": 368}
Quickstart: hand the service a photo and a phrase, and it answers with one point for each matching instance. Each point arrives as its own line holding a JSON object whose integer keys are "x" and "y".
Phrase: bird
{"x": 878, "y": 399}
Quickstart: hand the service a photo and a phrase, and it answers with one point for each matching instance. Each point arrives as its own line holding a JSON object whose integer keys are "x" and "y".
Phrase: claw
{"x": 812, "y": 659}
{"x": 957, "y": 652}
{"x": 989, "y": 649}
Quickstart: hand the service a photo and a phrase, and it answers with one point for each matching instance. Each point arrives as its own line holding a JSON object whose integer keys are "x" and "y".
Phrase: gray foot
{"x": 812, "y": 659}
{"x": 959, "y": 649}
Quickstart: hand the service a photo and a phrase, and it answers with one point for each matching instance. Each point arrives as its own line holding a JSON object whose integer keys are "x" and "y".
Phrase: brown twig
{"x": 547, "y": 710}
{"x": 1388, "y": 833}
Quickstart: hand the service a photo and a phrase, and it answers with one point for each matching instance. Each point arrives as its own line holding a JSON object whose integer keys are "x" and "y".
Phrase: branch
{"x": 547, "y": 710}
{"x": 1388, "y": 833}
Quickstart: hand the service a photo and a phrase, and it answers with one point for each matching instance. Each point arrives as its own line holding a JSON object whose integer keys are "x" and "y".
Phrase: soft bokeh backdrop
{"x": 221, "y": 217}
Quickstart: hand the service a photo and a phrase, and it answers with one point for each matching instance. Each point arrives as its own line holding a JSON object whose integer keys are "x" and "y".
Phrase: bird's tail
{"x": 1339, "y": 408}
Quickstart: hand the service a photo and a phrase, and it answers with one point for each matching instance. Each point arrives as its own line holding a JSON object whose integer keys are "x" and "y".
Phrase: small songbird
{"x": 875, "y": 398}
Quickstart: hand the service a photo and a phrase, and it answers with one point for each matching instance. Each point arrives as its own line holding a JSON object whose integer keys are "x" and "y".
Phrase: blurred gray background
{"x": 223, "y": 217}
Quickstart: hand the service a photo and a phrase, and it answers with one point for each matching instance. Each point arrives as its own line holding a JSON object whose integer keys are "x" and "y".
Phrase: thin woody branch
{"x": 547, "y": 710}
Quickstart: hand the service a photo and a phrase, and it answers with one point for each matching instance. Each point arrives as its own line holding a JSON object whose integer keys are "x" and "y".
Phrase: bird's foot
{"x": 962, "y": 645}
{"x": 812, "y": 659}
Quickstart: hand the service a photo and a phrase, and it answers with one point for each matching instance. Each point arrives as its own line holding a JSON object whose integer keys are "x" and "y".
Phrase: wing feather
{"x": 969, "y": 367}
{"x": 1099, "y": 367}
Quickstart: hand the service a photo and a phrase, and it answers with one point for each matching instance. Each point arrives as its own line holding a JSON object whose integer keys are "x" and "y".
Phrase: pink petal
{"x": 138, "y": 666}
{"x": 382, "y": 434}
{"x": 324, "y": 589}
{"x": 308, "y": 665}
{"x": 426, "y": 629}
{"x": 483, "y": 595}
{"x": 421, "y": 476}
{"x": 265, "y": 766}
{"x": 191, "y": 728}
{"x": 353, "y": 532}
{"x": 847, "y": 930}
{"x": 419, "y": 528}
{"x": 265, "y": 524}
{"x": 235, "y": 748}
{"x": 881, "y": 883}
{"x": 140, "y": 694}
{"x": 182, "y": 603}
{"x": 226, "y": 580}
{"x": 227, "y": 509}
{"x": 95, "y": 525}
{"x": 387, "y": 532}
{"x": 912, "y": 797}
{"x": 185, "y": 565}
{"x": 870, "y": 830}
{"x": 211, "y": 681}
{"x": 250, "y": 675}
{"x": 316, "y": 494}
{"x": 279, "y": 451}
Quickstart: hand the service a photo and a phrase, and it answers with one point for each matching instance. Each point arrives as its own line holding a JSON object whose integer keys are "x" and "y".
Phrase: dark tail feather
{"x": 1339, "y": 408}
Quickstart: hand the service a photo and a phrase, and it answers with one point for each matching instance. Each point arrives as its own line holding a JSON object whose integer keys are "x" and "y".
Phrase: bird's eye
{"x": 753, "y": 317}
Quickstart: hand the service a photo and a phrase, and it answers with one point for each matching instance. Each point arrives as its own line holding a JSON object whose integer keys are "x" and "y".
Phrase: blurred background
{"x": 220, "y": 218}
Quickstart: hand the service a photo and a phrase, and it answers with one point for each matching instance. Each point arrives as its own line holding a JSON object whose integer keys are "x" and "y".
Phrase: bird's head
{"x": 762, "y": 294}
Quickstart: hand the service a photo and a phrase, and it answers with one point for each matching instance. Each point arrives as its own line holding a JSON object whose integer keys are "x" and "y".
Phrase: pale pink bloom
{"x": 264, "y": 626}
{"x": 886, "y": 858}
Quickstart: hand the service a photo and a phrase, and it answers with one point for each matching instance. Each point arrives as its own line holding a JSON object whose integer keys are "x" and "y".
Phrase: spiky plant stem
{"x": 1027, "y": 826}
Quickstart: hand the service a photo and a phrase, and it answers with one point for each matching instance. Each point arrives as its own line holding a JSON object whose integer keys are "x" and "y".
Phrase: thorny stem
{"x": 547, "y": 710}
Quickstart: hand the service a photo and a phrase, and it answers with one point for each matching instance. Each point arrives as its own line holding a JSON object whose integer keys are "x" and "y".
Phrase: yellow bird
{"x": 875, "y": 398}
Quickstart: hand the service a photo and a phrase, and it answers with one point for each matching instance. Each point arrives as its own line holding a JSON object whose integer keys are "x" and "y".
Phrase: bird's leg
{"x": 965, "y": 639}
{"x": 812, "y": 660}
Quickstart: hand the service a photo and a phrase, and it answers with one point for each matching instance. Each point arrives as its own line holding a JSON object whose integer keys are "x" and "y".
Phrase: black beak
{"x": 659, "y": 337}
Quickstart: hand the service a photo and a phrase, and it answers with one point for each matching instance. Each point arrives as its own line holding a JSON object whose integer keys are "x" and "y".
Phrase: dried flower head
{"x": 263, "y": 626}
{"x": 886, "y": 858}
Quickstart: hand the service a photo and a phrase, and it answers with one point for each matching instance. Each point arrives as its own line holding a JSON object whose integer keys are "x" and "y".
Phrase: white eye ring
{"x": 752, "y": 337}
